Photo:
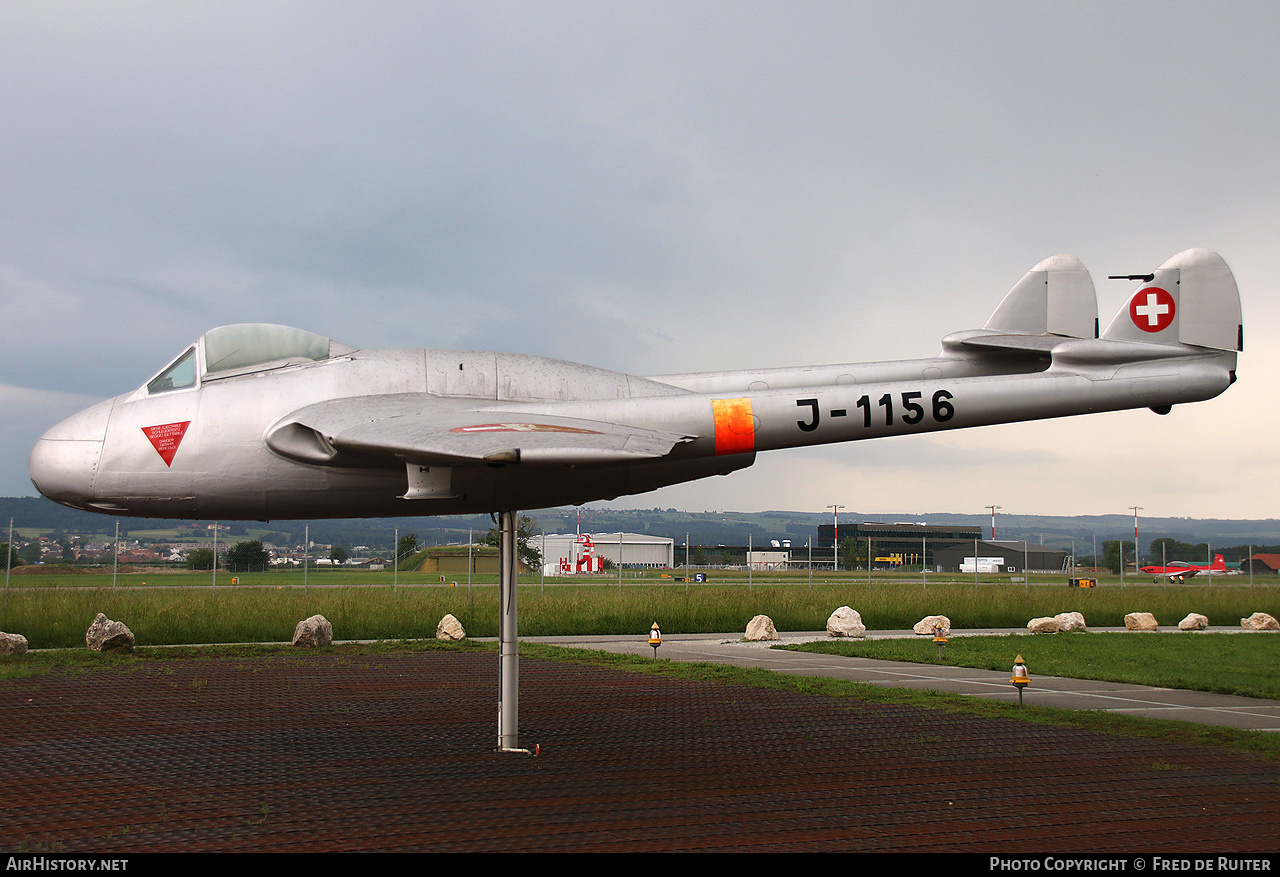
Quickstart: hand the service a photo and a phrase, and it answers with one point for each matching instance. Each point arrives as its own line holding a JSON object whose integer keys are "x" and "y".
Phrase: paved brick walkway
{"x": 394, "y": 752}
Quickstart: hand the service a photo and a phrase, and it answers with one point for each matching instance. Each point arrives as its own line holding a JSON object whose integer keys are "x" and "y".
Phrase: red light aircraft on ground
{"x": 1179, "y": 571}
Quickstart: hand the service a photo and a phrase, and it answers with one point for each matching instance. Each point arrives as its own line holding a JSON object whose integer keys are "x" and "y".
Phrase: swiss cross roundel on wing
{"x": 1152, "y": 309}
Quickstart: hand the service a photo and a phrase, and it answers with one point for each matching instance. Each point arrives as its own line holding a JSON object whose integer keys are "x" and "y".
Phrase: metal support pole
{"x": 509, "y": 645}
{"x": 1137, "y": 550}
{"x": 835, "y": 537}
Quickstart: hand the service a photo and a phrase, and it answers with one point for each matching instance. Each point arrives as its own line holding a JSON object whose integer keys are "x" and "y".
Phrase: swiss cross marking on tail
{"x": 165, "y": 438}
{"x": 1152, "y": 309}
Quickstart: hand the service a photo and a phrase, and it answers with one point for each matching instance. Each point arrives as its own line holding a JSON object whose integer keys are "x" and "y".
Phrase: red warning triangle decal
{"x": 165, "y": 438}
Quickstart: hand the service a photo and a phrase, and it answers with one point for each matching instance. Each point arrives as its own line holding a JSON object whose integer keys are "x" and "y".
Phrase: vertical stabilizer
{"x": 1191, "y": 299}
{"x": 1056, "y": 297}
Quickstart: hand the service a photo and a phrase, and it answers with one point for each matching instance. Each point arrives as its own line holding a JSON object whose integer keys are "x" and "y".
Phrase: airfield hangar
{"x": 946, "y": 547}
{"x": 1000, "y": 556}
{"x": 906, "y": 538}
{"x": 631, "y": 550}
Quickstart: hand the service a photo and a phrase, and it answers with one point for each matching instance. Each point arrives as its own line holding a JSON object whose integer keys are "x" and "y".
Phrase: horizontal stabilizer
{"x": 1053, "y": 302}
{"x": 1190, "y": 299}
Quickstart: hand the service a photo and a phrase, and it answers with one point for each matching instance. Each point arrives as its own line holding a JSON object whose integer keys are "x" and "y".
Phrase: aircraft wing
{"x": 433, "y": 432}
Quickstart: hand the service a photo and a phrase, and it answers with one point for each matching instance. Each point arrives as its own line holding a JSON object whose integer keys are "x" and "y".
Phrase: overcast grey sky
{"x": 652, "y": 187}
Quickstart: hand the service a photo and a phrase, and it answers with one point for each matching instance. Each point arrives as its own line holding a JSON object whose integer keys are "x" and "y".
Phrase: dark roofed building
{"x": 1262, "y": 565}
{"x": 906, "y": 538}
{"x": 1013, "y": 557}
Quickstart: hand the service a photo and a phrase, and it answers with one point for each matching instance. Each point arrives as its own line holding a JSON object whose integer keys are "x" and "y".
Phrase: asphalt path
{"x": 1245, "y": 713}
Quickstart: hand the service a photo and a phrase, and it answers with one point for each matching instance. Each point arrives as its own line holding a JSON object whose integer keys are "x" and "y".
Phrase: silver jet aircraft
{"x": 267, "y": 422}
{"x": 262, "y": 421}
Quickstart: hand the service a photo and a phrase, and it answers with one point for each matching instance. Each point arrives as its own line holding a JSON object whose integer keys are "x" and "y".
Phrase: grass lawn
{"x": 1226, "y": 663}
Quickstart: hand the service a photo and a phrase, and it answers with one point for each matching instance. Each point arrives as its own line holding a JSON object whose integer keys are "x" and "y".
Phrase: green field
{"x": 53, "y": 611}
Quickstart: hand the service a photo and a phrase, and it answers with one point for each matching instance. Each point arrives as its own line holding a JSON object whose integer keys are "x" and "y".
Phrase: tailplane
{"x": 1053, "y": 302}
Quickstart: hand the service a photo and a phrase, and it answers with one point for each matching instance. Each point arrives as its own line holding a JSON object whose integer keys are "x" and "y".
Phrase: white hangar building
{"x": 566, "y": 552}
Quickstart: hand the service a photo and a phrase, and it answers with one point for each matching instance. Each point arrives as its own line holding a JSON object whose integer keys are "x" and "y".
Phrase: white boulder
{"x": 450, "y": 629}
{"x": 1071, "y": 621}
{"x": 928, "y": 625}
{"x": 312, "y": 632}
{"x": 761, "y": 628}
{"x": 846, "y": 622}
{"x": 1141, "y": 621}
{"x": 105, "y": 635}
{"x": 1193, "y": 621}
{"x": 1259, "y": 621}
{"x": 12, "y": 644}
{"x": 1044, "y": 625}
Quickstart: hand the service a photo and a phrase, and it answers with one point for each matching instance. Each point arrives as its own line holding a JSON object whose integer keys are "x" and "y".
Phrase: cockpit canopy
{"x": 243, "y": 349}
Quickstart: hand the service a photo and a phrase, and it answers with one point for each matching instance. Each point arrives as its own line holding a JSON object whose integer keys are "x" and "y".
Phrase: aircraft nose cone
{"x": 64, "y": 462}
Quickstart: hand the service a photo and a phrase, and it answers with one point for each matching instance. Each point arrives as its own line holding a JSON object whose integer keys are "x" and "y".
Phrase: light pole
{"x": 835, "y": 537}
{"x": 993, "y": 520}
{"x": 8, "y": 560}
{"x": 1136, "y": 552}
